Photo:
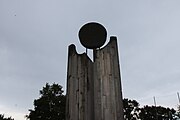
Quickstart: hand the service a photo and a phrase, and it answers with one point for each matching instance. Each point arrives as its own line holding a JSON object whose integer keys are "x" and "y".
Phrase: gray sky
{"x": 35, "y": 34}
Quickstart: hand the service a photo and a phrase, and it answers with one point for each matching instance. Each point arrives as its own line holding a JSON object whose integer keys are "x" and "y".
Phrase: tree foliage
{"x": 156, "y": 113}
{"x": 131, "y": 109}
{"x": 177, "y": 114}
{"x": 50, "y": 105}
{"x": 3, "y": 118}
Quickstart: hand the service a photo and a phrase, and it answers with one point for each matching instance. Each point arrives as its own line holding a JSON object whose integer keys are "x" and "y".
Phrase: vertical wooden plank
{"x": 90, "y": 92}
{"x": 108, "y": 72}
{"x": 71, "y": 85}
{"x": 97, "y": 87}
{"x": 94, "y": 88}
{"x": 79, "y": 104}
{"x": 117, "y": 78}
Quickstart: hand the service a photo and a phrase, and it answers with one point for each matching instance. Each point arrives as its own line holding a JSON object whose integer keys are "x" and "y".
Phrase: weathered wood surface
{"x": 79, "y": 88}
{"x": 94, "y": 88}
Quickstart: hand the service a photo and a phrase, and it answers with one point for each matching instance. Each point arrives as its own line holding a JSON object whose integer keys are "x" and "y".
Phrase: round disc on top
{"x": 92, "y": 35}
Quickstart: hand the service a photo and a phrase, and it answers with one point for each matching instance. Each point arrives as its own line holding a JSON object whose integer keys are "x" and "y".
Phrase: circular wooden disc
{"x": 92, "y": 35}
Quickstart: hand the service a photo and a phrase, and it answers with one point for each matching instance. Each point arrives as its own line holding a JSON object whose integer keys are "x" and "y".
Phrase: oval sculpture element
{"x": 92, "y": 35}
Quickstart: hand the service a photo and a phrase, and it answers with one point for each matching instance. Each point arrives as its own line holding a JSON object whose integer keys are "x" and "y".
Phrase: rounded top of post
{"x": 92, "y": 35}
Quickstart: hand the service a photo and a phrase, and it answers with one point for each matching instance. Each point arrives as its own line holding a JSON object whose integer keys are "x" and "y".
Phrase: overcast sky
{"x": 35, "y": 34}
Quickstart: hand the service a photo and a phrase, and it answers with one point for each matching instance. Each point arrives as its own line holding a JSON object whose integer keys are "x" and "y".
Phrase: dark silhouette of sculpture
{"x": 94, "y": 87}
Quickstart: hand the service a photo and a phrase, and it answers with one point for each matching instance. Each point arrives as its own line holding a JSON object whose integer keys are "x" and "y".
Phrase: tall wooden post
{"x": 94, "y": 87}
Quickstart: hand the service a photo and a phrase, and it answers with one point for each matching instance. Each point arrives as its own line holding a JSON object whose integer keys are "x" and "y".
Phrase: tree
{"x": 176, "y": 115}
{"x": 131, "y": 109}
{"x": 50, "y": 105}
{"x": 3, "y": 118}
{"x": 156, "y": 113}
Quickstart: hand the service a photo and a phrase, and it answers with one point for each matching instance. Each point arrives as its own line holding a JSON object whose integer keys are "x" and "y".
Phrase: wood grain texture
{"x": 94, "y": 88}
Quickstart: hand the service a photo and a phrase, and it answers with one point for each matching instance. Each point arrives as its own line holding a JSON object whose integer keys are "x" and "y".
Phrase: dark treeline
{"x": 132, "y": 111}
{"x": 51, "y": 105}
{"x": 4, "y": 118}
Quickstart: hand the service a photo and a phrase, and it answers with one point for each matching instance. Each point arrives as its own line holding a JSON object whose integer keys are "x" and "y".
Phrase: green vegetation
{"x": 51, "y": 106}
{"x": 132, "y": 111}
{"x": 3, "y": 118}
